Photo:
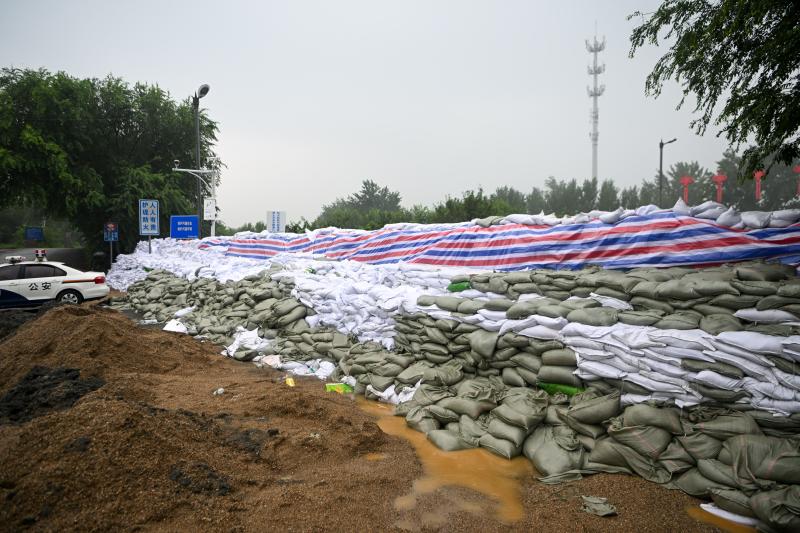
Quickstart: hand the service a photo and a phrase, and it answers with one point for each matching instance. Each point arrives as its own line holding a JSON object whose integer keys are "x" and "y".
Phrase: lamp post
{"x": 661, "y": 144}
{"x": 211, "y": 184}
{"x": 201, "y": 92}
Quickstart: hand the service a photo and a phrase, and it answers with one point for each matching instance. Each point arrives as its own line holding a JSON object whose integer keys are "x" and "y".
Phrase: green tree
{"x": 608, "y": 199}
{"x": 535, "y": 201}
{"x": 587, "y": 199}
{"x": 511, "y": 197}
{"x": 86, "y": 149}
{"x": 739, "y": 60}
{"x": 629, "y": 197}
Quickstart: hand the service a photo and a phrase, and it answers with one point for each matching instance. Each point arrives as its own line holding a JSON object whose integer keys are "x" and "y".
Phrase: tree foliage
{"x": 739, "y": 59}
{"x": 86, "y": 150}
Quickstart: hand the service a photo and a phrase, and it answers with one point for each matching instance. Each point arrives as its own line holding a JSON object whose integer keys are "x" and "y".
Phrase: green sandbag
{"x": 528, "y": 361}
{"x": 582, "y": 303}
{"x": 553, "y": 311}
{"x": 716, "y": 324}
{"x": 483, "y": 342}
{"x": 531, "y": 378}
{"x": 522, "y": 309}
{"x": 611, "y": 293}
{"x": 497, "y": 285}
{"x": 693, "y": 365}
{"x": 720, "y": 395}
{"x": 470, "y": 307}
{"x": 640, "y": 318}
{"x": 790, "y": 289}
{"x": 564, "y": 284}
{"x": 526, "y": 288}
{"x": 538, "y": 347}
{"x": 525, "y": 418}
{"x": 556, "y": 388}
{"x": 646, "y": 288}
{"x": 675, "y": 459}
{"x": 448, "y": 441}
{"x": 718, "y": 472}
{"x": 559, "y": 374}
{"x": 498, "y": 304}
{"x": 458, "y": 287}
{"x": 562, "y": 357}
{"x": 610, "y": 452}
{"x": 426, "y": 300}
{"x": 708, "y": 309}
{"x": 512, "y": 378}
{"x": 779, "y": 509}
{"x": 695, "y": 484}
{"x": 649, "y": 441}
{"x": 581, "y": 292}
{"x": 380, "y": 383}
{"x": 599, "y": 316}
{"x": 590, "y": 430}
{"x": 775, "y": 302}
{"x": 428, "y": 394}
{"x": 700, "y": 446}
{"x": 730, "y": 301}
{"x": 437, "y": 358}
{"x": 771, "y": 458}
{"x": 554, "y": 450}
{"x": 505, "y": 354}
{"x": 471, "y": 430}
{"x": 518, "y": 277}
{"x": 666, "y": 418}
{"x": 595, "y": 410}
{"x": 677, "y": 289}
{"x": 421, "y": 420}
{"x": 642, "y": 303}
{"x": 502, "y": 430}
{"x": 448, "y": 303}
{"x": 764, "y": 272}
{"x": 712, "y": 287}
{"x": 295, "y": 314}
{"x": 466, "y": 406}
{"x": 759, "y": 288}
{"x": 678, "y": 320}
{"x": 734, "y": 501}
{"x": 500, "y": 447}
{"x": 725, "y": 426}
{"x": 443, "y": 415}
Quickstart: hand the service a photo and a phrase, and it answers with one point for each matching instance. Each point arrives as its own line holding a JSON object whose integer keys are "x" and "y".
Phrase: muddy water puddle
{"x": 704, "y": 516}
{"x": 494, "y": 477}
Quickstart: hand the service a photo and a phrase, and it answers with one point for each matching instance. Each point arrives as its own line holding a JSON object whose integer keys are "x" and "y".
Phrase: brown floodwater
{"x": 495, "y": 477}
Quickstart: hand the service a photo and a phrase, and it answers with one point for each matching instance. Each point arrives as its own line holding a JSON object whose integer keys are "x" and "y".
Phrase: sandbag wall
{"x": 470, "y": 371}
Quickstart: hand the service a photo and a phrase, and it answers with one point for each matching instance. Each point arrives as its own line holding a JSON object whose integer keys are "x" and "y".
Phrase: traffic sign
{"x": 34, "y": 234}
{"x": 110, "y": 232}
{"x": 209, "y": 208}
{"x": 148, "y": 217}
{"x": 276, "y": 221}
{"x": 184, "y": 227}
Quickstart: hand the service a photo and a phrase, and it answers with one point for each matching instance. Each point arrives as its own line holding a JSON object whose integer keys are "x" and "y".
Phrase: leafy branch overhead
{"x": 740, "y": 60}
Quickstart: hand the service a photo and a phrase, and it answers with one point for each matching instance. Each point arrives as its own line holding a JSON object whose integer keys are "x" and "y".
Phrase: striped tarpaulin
{"x": 662, "y": 239}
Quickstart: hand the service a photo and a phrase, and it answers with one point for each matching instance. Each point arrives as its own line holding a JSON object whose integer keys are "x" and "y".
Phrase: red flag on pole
{"x": 719, "y": 179}
{"x": 758, "y": 174}
{"x": 686, "y": 181}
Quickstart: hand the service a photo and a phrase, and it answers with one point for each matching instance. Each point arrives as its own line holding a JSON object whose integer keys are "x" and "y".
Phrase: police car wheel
{"x": 70, "y": 297}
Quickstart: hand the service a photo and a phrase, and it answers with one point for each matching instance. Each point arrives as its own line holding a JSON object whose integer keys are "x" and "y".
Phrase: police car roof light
{"x": 14, "y": 259}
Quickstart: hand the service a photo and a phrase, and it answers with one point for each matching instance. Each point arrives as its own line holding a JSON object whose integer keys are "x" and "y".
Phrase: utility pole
{"x": 595, "y": 92}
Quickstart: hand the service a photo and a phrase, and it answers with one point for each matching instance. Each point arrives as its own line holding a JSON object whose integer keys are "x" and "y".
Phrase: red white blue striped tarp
{"x": 662, "y": 239}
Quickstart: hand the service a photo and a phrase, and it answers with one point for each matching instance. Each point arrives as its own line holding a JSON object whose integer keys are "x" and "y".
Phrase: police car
{"x": 29, "y": 283}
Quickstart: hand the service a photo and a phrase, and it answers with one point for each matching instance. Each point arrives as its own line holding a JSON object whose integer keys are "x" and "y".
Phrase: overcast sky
{"x": 428, "y": 97}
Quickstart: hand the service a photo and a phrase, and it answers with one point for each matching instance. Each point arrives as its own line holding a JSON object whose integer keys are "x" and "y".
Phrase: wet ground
{"x": 118, "y": 428}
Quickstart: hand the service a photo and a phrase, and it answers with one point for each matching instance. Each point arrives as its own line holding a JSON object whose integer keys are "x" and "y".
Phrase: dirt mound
{"x": 153, "y": 447}
{"x": 98, "y": 341}
{"x": 43, "y": 390}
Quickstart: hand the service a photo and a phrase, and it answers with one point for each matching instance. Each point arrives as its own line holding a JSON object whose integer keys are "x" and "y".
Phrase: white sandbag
{"x": 789, "y": 215}
{"x": 680, "y": 208}
{"x": 729, "y": 218}
{"x": 767, "y": 316}
{"x": 753, "y": 341}
{"x": 756, "y": 219}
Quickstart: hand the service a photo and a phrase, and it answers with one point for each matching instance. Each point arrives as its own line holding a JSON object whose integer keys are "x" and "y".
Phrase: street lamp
{"x": 211, "y": 176}
{"x": 661, "y": 144}
{"x": 201, "y": 92}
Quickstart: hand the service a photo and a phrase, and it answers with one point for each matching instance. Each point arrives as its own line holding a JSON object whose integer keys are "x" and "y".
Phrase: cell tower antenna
{"x": 594, "y": 47}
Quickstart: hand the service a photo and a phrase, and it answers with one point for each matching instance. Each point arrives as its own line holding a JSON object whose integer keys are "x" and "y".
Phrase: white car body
{"x": 30, "y": 283}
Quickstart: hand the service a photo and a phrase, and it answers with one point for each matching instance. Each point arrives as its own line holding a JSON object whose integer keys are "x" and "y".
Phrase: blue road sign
{"x": 34, "y": 234}
{"x": 184, "y": 227}
{"x": 110, "y": 232}
{"x": 148, "y": 217}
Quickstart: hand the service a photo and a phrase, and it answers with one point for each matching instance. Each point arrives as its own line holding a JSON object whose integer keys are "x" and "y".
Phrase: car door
{"x": 12, "y": 293}
{"x": 42, "y": 281}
